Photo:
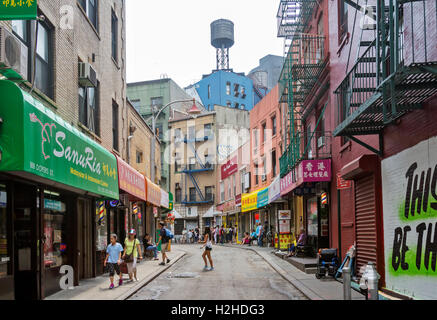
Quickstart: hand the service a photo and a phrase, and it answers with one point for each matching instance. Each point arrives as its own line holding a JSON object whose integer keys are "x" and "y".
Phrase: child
{"x": 113, "y": 259}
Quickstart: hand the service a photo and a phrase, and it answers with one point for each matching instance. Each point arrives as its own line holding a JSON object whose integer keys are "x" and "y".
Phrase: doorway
{"x": 27, "y": 244}
{"x": 85, "y": 247}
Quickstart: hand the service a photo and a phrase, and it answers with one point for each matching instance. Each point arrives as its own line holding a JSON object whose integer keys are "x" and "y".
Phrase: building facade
{"x": 226, "y": 88}
{"x": 147, "y": 95}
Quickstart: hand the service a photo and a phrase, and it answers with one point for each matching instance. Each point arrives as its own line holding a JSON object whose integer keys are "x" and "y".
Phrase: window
{"x": 274, "y": 163}
{"x": 156, "y": 103}
{"x": 274, "y": 126}
{"x": 192, "y": 163}
{"x": 243, "y": 107}
{"x": 320, "y": 32}
{"x": 256, "y": 175}
{"x": 264, "y": 127}
{"x": 115, "y": 143}
{"x": 236, "y": 90}
{"x": 234, "y": 185}
{"x": 136, "y": 104}
{"x": 228, "y": 88}
{"x": 89, "y": 108}
{"x": 178, "y": 136}
{"x": 229, "y": 189}
{"x": 209, "y": 194}
{"x": 309, "y": 142}
{"x": 4, "y": 251}
{"x": 255, "y": 138}
{"x": 237, "y": 105}
{"x": 114, "y": 36}
{"x": 192, "y": 194}
{"x": 139, "y": 157}
{"x": 209, "y": 91}
{"x": 228, "y": 104}
{"x": 178, "y": 193}
{"x": 242, "y": 177}
{"x": 90, "y": 8}
{"x": 178, "y": 165}
{"x": 25, "y": 31}
{"x": 222, "y": 191}
{"x": 159, "y": 130}
{"x": 207, "y": 130}
{"x": 243, "y": 92}
{"x": 191, "y": 132}
{"x": 264, "y": 174}
{"x": 343, "y": 19}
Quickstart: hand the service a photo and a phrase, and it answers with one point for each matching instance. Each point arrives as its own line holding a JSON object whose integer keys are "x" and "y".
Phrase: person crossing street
{"x": 164, "y": 240}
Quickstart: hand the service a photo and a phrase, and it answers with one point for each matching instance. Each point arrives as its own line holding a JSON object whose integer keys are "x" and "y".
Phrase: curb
{"x": 296, "y": 283}
{"x": 150, "y": 278}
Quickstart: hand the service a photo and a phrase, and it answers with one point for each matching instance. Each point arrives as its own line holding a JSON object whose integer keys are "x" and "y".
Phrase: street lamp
{"x": 194, "y": 111}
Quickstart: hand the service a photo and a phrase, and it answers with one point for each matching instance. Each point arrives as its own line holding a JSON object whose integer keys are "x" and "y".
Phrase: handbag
{"x": 130, "y": 257}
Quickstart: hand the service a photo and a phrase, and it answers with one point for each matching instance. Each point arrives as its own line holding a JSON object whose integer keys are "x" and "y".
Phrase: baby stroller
{"x": 327, "y": 261}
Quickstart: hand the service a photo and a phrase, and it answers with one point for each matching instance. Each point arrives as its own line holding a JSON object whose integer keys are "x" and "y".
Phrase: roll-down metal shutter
{"x": 365, "y": 221}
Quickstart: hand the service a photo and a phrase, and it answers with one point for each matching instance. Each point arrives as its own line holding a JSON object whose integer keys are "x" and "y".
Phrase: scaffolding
{"x": 396, "y": 73}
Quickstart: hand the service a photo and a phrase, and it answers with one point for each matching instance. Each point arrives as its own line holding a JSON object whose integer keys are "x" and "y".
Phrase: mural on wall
{"x": 409, "y": 181}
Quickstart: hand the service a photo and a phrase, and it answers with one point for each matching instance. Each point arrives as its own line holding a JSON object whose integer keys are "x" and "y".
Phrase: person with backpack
{"x": 164, "y": 238}
{"x": 132, "y": 249}
{"x": 208, "y": 248}
{"x": 113, "y": 260}
{"x": 222, "y": 235}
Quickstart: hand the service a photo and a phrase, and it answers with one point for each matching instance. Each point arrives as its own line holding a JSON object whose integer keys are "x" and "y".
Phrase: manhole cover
{"x": 184, "y": 275}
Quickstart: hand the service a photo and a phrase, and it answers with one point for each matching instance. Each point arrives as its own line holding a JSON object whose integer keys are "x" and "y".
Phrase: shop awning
{"x": 153, "y": 193}
{"x": 211, "y": 213}
{"x": 131, "y": 181}
{"x": 37, "y": 142}
{"x": 165, "y": 199}
{"x": 275, "y": 190}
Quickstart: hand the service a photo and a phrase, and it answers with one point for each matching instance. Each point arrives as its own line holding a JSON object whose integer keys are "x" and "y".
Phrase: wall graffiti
{"x": 409, "y": 181}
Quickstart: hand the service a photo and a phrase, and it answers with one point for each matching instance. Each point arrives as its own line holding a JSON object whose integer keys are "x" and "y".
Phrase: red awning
{"x": 131, "y": 181}
{"x": 360, "y": 167}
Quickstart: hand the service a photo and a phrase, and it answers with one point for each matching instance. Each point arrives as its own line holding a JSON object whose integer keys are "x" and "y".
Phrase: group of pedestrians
{"x": 222, "y": 235}
{"x": 260, "y": 234}
{"x": 191, "y": 236}
{"x": 131, "y": 253}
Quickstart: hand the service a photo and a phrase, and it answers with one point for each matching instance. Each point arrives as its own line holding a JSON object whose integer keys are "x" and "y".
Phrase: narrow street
{"x": 238, "y": 275}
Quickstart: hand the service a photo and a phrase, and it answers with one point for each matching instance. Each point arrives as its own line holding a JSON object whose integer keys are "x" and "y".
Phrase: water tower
{"x": 222, "y": 38}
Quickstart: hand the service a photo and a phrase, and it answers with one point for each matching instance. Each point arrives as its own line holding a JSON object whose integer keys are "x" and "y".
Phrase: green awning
{"x": 18, "y": 9}
{"x": 35, "y": 140}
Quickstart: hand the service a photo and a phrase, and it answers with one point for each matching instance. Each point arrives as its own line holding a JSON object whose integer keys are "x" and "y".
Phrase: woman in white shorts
{"x": 132, "y": 250}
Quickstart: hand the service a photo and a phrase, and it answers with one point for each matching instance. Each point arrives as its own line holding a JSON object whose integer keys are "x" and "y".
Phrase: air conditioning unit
{"x": 13, "y": 56}
{"x": 321, "y": 142}
{"x": 87, "y": 75}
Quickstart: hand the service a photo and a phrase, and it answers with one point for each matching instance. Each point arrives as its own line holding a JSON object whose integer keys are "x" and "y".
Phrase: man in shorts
{"x": 164, "y": 240}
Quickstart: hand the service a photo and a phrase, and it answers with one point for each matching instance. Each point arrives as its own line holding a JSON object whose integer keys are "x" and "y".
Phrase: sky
{"x": 173, "y": 37}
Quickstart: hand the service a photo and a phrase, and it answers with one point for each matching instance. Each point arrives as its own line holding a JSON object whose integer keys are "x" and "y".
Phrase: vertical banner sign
{"x": 18, "y": 9}
{"x": 409, "y": 186}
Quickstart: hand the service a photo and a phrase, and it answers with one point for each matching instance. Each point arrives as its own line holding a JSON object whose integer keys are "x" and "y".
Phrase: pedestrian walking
{"x": 113, "y": 260}
{"x": 222, "y": 235}
{"x": 258, "y": 234}
{"x": 197, "y": 234}
{"x": 163, "y": 240}
{"x": 184, "y": 236}
{"x": 216, "y": 234}
{"x": 150, "y": 246}
{"x": 132, "y": 252}
{"x": 208, "y": 249}
{"x": 189, "y": 235}
{"x": 230, "y": 234}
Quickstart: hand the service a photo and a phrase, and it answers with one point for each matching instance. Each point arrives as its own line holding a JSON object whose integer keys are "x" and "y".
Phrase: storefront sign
{"x": 275, "y": 190}
{"x": 229, "y": 206}
{"x": 238, "y": 200}
{"x": 307, "y": 171}
{"x": 343, "y": 184}
{"x": 409, "y": 186}
{"x": 165, "y": 199}
{"x": 284, "y": 214}
{"x": 131, "y": 181}
{"x": 284, "y": 226}
{"x": 37, "y": 141}
{"x": 18, "y": 9}
{"x": 153, "y": 193}
{"x": 229, "y": 168}
{"x": 54, "y": 205}
{"x": 263, "y": 198}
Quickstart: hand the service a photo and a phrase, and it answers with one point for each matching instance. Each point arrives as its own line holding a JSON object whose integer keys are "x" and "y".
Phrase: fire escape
{"x": 193, "y": 170}
{"x": 304, "y": 64}
{"x": 396, "y": 71}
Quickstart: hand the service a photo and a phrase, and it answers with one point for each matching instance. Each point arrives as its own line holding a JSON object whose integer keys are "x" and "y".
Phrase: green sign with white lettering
{"x": 18, "y": 9}
{"x": 34, "y": 140}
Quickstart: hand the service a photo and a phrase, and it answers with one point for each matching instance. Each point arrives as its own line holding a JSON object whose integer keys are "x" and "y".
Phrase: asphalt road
{"x": 238, "y": 275}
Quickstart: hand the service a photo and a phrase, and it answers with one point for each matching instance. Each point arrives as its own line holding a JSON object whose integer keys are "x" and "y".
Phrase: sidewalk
{"x": 98, "y": 288}
{"x": 314, "y": 289}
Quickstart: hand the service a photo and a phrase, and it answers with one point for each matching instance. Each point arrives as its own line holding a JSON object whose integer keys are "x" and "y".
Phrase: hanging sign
{"x": 343, "y": 184}
{"x": 18, "y": 9}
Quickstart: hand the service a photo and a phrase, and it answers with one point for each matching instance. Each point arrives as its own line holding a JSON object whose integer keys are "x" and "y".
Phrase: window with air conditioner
{"x": 14, "y": 51}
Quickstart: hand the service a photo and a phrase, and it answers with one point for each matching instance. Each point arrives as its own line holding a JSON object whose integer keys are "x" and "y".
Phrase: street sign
{"x": 343, "y": 184}
{"x": 18, "y": 9}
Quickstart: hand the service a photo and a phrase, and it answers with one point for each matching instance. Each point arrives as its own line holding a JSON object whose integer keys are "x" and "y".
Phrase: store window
{"x": 101, "y": 226}
{"x": 312, "y": 218}
{"x": 55, "y": 230}
{"x": 4, "y": 256}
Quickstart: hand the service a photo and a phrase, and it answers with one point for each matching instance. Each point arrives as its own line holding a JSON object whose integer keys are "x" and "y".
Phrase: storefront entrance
{"x": 27, "y": 249}
{"x": 85, "y": 246}
{"x": 317, "y": 218}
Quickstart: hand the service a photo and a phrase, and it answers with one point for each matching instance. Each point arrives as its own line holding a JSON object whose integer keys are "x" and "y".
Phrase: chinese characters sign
{"x": 18, "y": 9}
{"x": 153, "y": 193}
{"x": 39, "y": 142}
{"x": 131, "y": 181}
{"x": 307, "y": 171}
{"x": 409, "y": 187}
{"x": 255, "y": 200}
{"x": 229, "y": 168}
